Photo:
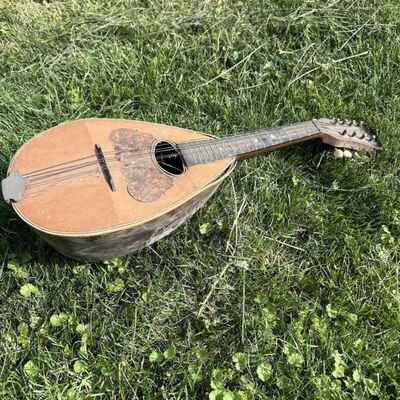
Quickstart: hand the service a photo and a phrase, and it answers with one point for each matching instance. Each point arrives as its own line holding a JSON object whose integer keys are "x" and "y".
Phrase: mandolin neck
{"x": 247, "y": 144}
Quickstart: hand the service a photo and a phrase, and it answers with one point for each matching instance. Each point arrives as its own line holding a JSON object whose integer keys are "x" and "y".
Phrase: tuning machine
{"x": 339, "y": 154}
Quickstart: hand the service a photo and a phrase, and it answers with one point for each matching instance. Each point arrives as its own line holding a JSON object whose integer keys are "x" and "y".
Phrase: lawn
{"x": 286, "y": 284}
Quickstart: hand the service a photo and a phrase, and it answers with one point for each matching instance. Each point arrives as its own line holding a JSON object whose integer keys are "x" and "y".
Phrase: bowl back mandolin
{"x": 100, "y": 188}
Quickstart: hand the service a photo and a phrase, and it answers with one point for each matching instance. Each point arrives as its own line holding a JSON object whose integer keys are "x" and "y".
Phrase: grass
{"x": 286, "y": 284}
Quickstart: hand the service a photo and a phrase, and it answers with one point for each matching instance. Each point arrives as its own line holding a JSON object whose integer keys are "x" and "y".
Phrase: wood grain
{"x": 85, "y": 205}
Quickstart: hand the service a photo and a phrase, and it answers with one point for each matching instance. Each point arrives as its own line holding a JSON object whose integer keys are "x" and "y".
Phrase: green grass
{"x": 292, "y": 290}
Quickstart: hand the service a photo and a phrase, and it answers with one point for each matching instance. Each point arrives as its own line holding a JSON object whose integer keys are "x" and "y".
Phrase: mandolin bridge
{"x": 104, "y": 167}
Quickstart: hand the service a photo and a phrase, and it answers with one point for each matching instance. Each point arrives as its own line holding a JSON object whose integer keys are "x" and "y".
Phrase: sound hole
{"x": 169, "y": 159}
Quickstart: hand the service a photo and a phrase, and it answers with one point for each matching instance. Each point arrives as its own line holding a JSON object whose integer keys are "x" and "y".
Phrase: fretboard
{"x": 247, "y": 144}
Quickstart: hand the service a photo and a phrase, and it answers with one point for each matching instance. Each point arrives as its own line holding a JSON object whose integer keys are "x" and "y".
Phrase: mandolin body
{"x": 81, "y": 213}
{"x": 101, "y": 188}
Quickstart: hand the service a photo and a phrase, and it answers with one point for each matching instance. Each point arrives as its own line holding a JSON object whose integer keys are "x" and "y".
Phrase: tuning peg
{"x": 355, "y": 123}
{"x": 338, "y": 154}
{"x": 348, "y": 122}
{"x": 347, "y": 154}
{"x": 361, "y": 135}
{"x": 340, "y": 121}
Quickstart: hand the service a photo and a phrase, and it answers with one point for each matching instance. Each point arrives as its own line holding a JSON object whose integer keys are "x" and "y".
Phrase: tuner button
{"x": 355, "y": 123}
{"x": 338, "y": 154}
{"x": 347, "y": 154}
{"x": 348, "y": 122}
{"x": 340, "y": 121}
{"x": 364, "y": 126}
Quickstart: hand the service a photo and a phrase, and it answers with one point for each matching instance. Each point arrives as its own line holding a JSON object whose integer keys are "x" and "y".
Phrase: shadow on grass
{"x": 18, "y": 241}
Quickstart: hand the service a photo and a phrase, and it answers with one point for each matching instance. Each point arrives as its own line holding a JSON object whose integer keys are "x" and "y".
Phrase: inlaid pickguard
{"x": 145, "y": 181}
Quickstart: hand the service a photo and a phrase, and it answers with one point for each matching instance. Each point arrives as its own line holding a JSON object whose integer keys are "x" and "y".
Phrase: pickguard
{"x": 145, "y": 181}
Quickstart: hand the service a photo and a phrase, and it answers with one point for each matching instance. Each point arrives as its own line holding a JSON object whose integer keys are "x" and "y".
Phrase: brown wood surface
{"x": 85, "y": 205}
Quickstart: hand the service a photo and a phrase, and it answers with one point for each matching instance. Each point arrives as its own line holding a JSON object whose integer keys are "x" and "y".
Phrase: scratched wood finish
{"x": 85, "y": 205}
{"x": 124, "y": 241}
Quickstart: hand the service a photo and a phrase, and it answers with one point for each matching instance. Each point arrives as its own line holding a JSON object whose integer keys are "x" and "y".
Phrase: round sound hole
{"x": 169, "y": 159}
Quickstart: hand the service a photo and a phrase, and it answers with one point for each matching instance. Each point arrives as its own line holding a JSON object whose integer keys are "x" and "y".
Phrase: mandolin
{"x": 101, "y": 188}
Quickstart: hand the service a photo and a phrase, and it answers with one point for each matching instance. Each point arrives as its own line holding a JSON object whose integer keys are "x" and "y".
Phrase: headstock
{"x": 346, "y": 134}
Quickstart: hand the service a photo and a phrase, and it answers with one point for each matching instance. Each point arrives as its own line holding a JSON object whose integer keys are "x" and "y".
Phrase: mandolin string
{"x": 55, "y": 166}
{"x": 48, "y": 178}
{"x": 62, "y": 170}
{"x": 164, "y": 148}
{"x": 199, "y": 143}
{"x": 192, "y": 145}
{"x": 42, "y": 182}
{"x": 50, "y": 172}
{"x": 38, "y": 171}
{"x": 72, "y": 164}
{"x": 77, "y": 175}
{"x": 37, "y": 185}
{"x": 50, "y": 181}
{"x": 47, "y": 175}
{"x": 45, "y": 179}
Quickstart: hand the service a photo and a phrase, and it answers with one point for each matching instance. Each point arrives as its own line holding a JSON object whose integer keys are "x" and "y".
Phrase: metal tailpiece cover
{"x": 13, "y": 187}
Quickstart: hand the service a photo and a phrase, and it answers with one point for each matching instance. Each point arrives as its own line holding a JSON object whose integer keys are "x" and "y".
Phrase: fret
{"x": 231, "y": 151}
{"x": 215, "y": 146}
{"x": 195, "y": 156}
{"x": 218, "y": 148}
{"x": 208, "y": 152}
{"x": 200, "y": 155}
{"x": 225, "y": 148}
{"x": 204, "y": 151}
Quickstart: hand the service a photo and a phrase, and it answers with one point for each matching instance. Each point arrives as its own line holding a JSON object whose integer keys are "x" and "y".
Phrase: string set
{"x": 43, "y": 175}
